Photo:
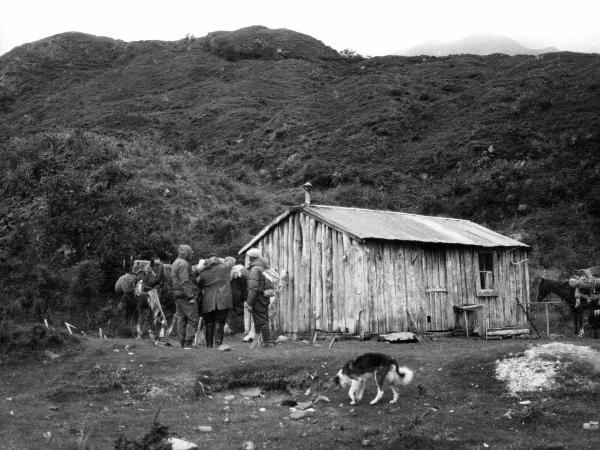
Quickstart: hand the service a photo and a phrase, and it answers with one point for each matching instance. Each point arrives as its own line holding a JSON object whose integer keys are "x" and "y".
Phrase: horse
{"x": 567, "y": 293}
{"x": 134, "y": 302}
{"x": 594, "y": 318}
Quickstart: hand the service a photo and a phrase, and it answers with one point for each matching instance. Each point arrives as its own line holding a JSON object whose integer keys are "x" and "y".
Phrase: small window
{"x": 486, "y": 281}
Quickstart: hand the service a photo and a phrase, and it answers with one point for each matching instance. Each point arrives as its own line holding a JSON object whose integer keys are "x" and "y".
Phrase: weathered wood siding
{"x": 332, "y": 282}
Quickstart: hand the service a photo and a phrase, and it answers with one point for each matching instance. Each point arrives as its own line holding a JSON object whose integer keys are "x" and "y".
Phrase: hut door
{"x": 436, "y": 291}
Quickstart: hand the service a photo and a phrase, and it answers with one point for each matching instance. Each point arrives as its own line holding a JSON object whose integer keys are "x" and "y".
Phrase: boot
{"x": 219, "y": 333}
{"x": 209, "y": 334}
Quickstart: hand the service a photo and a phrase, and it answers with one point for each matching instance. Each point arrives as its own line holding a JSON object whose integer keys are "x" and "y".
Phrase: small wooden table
{"x": 466, "y": 309}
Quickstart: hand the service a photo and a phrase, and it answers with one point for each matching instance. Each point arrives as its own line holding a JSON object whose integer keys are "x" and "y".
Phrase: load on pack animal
{"x": 139, "y": 295}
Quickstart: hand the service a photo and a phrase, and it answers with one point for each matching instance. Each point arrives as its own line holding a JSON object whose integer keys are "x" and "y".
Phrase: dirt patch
{"x": 551, "y": 367}
{"x": 273, "y": 376}
{"x": 100, "y": 381}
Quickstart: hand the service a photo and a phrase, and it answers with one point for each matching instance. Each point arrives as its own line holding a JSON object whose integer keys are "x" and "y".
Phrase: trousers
{"x": 214, "y": 326}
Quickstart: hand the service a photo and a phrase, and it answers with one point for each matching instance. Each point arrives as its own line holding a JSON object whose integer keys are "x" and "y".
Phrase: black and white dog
{"x": 383, "y": 368}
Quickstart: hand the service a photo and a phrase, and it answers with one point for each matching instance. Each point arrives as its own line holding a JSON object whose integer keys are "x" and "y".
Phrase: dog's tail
{"x": 405, "y": 374}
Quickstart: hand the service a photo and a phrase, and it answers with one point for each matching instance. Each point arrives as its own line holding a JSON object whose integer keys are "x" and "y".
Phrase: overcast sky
{"x": 370, "y": 27}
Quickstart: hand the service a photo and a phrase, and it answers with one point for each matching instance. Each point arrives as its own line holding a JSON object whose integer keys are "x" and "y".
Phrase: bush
{"x": 86, "y": 281}
{"x": 31, "y": 339}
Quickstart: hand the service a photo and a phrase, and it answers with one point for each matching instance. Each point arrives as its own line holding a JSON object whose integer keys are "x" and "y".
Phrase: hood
{"x": 260, "y": 261}
{"x": 213, "y": 261}
{"x": 185, "y": 252}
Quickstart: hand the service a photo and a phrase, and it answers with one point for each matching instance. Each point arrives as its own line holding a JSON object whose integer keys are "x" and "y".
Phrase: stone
{"x": 320, "y": 398}
{"x": 181, "y": 444}
{"x": 251, "y": 392}
{"x": 205, "y": 428}
{"x": 224, "y": 348}
{"x": 296, "y": 415}
{"x": 303, "y": 405}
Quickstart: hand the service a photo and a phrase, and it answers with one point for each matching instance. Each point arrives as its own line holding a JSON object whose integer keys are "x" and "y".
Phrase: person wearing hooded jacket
{"x": 258, "y": 303}
{"x": 214, "y": 283}
{"x": 184, "y": 294}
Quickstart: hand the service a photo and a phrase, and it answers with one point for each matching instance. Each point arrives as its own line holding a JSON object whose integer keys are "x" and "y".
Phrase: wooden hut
{"x": 356, "y": 270}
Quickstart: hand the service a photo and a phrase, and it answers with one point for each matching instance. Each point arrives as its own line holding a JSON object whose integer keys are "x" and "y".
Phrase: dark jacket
{"x": 181, "y": 279}
{"x": 239, "y": 287}
{"x": 256, "y": 285}
{"x": 214, "y": 284}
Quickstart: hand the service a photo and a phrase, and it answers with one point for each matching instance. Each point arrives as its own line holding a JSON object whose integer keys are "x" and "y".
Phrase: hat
{"x": 253, "y": 253}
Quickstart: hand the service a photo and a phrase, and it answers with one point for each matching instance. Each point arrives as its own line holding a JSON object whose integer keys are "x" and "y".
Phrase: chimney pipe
{"x": 307, "y": 187}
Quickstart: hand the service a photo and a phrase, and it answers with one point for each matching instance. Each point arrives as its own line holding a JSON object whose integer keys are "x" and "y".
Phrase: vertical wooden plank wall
{"x": 331, "y": 282}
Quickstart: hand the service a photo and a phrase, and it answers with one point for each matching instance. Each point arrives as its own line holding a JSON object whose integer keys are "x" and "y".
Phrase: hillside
{"x": 114, "y": 150}
{"x": 475, "y": 44}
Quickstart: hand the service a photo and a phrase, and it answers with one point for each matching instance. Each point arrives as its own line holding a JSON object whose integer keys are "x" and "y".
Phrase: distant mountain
{"x": 476, "y": 44}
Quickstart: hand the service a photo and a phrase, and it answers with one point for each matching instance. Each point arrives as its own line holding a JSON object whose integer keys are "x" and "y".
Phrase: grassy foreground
{"x": 98, "y": 390}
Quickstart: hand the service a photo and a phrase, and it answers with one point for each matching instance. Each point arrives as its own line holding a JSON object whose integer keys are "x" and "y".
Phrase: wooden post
{"x": 466, "y": 322}
{"x": 547, "y": 320}
{"x": 331, "y": 343}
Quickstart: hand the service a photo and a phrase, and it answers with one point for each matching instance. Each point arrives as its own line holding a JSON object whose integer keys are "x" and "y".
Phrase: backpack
{"x": 270, "y": 282}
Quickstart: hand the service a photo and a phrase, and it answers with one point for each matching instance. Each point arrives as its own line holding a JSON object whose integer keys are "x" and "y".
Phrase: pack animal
{"x": 134, "y": 302}
{"x": 594, "y": 318}
{"x": 567, "y": 294}
{"x": 383, "y": 368}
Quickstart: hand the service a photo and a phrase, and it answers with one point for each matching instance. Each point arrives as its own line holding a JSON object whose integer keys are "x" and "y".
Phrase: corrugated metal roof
{"x": 396, "y": 226}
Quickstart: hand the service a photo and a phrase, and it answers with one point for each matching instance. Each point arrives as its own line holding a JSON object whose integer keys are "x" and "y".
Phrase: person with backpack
{"x": 184, "y": 294}
{"x": 258, "y": 302}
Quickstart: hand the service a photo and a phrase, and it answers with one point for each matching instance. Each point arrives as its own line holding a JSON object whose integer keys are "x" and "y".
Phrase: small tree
{"x": 350, "y": 54}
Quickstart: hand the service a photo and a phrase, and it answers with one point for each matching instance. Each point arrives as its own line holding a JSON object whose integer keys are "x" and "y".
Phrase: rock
{"x": 296, "y": 415}
{"x": 320, "y": 398}
{"x": 229, "y": 397}
{"x": 205, "y": 428}
{"x": 281, "y": 338}
{"x": 304, "y": 405}
{"x": 53, "y": 408}
{"x": 181, "y": 444}
{"x": 156, "y": 392}
{"x": 248, "y": 445}
{"x": 367, "y": 443}
{"x": 224, "y": 348}
{"x": 47, "y": 435}
{"x": 251, "y": 392}
{"x": 51, "y": 355}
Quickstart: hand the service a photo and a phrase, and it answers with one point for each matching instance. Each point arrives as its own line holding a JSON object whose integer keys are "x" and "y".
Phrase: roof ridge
{"x": 389, "y": 211}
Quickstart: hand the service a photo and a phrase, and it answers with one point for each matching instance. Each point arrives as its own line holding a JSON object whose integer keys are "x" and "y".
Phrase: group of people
{"x": 208, "y": 289}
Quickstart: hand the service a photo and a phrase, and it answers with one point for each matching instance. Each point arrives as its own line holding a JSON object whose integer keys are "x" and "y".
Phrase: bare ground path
{"x": 101, "y": 389}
